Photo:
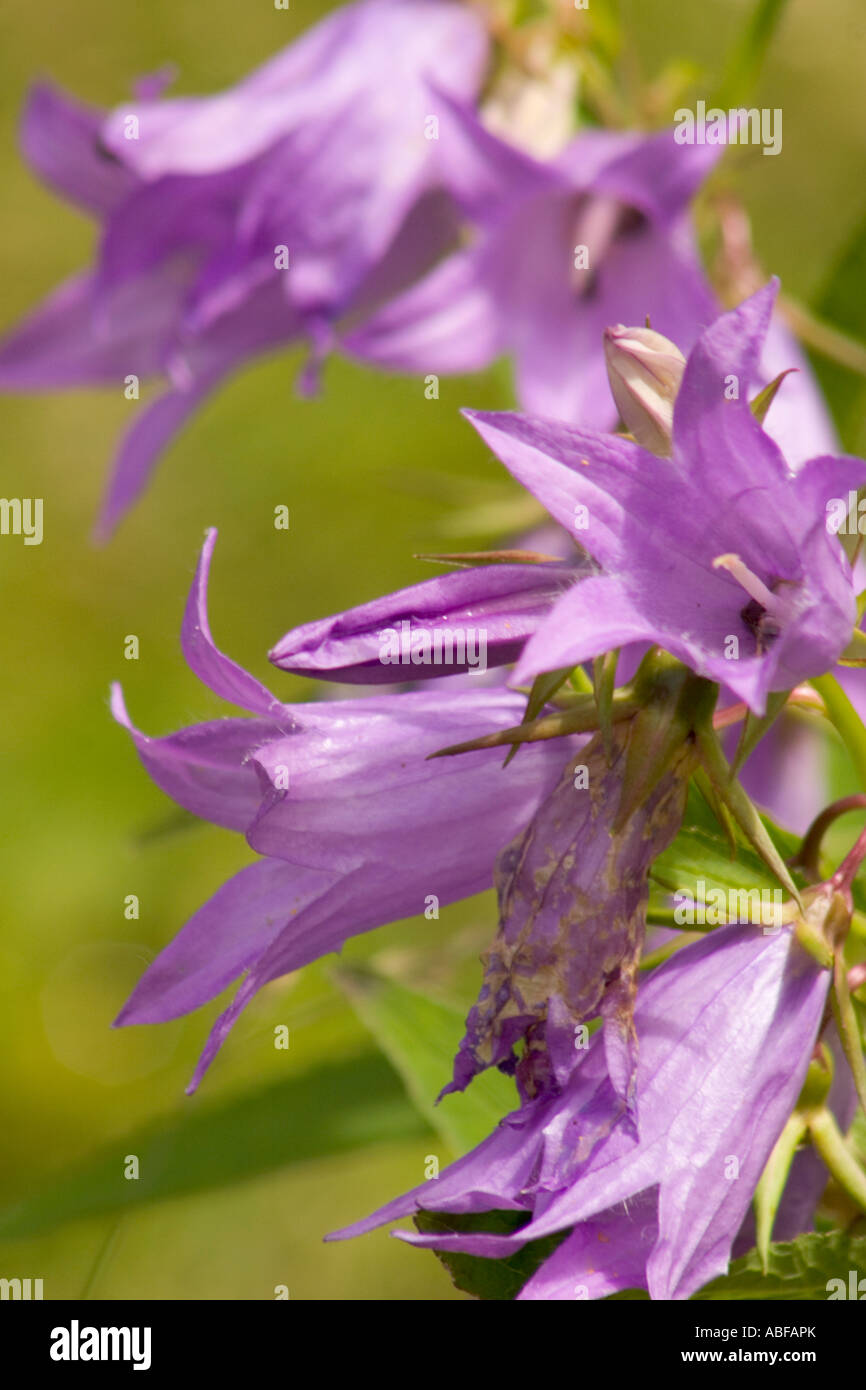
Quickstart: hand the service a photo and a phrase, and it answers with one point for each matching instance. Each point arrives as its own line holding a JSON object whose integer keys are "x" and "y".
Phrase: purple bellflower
{"x": 727, "y": 1028}
{"x": 561, "y": 249}
{"x": 720, "y": 554}
{"x": 354, "y": 826}
{"x": 236, "y": 223}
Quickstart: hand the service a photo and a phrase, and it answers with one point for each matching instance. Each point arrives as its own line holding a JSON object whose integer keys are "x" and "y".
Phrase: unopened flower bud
{"x": 645, "y": 371}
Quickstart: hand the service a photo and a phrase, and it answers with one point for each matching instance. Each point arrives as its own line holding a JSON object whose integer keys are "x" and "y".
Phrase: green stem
{"x": 845, "y": 720}
{"x": 768, "y": 1193}
{"x": 849, "y": 1030}
{"x": 830, "y": 1143}
{"x": 823, "y": 337}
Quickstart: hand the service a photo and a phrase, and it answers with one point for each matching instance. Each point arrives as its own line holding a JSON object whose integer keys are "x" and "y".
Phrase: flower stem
{"x": 830, "y": 1143}
{"x": 809, "y": 852}
{"x": 845, "y": 720}
{"x": 849, "y": 1030}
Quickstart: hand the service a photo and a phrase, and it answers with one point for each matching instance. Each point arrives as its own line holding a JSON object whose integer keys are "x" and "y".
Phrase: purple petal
{"x": 357, "y": 788}
{"x": 450, "y": 322}
{"x": 726, "y": 1032}
{"x": 217, "y": 671}
{"x": 226, "y": 936}
{"x": 798, "y": 419}
{"x": 206, "y": 768}
{"x": 494, "y": 607}
{"x": 601, "y": 1256}
{"x": 376, "y": 52}
{"x": 153, "y": 429}
{"x": 64, "y": 343}
{"x": 655, "y": 174}
{"x": 60, "y": 138}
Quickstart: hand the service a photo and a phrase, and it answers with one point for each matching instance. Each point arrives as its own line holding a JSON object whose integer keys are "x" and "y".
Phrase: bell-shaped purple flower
{"x": 721, "y": 554}
{"x": 727, "y": 1028}
{"x": 562, "y": 249}
{"x": 355, "y": 826}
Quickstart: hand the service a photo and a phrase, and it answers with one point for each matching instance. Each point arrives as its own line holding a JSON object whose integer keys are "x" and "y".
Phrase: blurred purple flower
{"x": 726, "y": 1028}
{"x": 355, "y": 826}
{"x": 235, "y": 223}
{"x": 562, "y": 249}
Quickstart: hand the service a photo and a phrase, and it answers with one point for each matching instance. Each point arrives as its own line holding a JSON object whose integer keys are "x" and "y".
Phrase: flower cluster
{"x": 361, "y": 192}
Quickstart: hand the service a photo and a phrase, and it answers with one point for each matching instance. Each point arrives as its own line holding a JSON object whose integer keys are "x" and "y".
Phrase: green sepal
{"x": 829, "y": 1140}
{"x": 762, "y": 402}
{"x": 740, "y": 805}
{"x": 754, "y": 728}
{"x": 718, "y": 808}
{"x": 543, "y": 687}
{"x": 672, "y": 701}
{"x": 603, "y": 684}
{"x": 771, "y": 1185}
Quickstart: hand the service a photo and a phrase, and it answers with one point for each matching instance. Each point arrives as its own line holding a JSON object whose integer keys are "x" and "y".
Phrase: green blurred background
{"x": 371, "y": 472}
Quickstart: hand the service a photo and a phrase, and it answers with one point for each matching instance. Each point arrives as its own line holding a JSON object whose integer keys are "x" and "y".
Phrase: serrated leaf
{"x": 330, "y": 1110}
{"x": 420, "y": 1037}
{"x": 798, "y": 1269}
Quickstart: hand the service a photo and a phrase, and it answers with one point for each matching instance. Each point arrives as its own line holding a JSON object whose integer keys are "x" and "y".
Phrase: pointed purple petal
{"x": 217, "y": 671}
{"x": 60, "y": 138}
{"x": 490, "y": 611}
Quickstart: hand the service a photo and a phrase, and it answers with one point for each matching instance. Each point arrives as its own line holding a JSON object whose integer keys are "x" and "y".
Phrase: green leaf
{"x": 754, "y": 728}
{"x": 420, "y": 1037}
{"x": 746, "y": 57}
{"x": 484, "y": 1278}
{"x": 799, "y": 1269}
{"x": 701, "y": 851}
{"x": 328, "y": 1111}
